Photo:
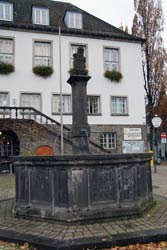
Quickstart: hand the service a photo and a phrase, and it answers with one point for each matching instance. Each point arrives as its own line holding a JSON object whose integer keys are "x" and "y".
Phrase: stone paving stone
{"x": 78, "y": 235}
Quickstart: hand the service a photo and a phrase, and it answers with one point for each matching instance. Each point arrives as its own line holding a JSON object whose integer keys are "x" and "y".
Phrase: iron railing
{"x": 26, "y": 113}
{"x": 30, "y": 113}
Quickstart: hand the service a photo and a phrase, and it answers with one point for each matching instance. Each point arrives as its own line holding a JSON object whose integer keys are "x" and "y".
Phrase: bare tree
{"x": 148, "y": 24}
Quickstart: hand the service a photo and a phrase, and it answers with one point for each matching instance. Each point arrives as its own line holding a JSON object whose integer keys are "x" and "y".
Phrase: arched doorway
{"x": 9, "y": 143}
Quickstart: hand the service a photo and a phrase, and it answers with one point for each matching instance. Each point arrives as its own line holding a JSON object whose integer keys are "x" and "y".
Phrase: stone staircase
{"x": 29, "y": 113}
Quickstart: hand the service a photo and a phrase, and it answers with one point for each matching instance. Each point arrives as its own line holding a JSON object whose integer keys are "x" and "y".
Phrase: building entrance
{"x": 9, "y": 144}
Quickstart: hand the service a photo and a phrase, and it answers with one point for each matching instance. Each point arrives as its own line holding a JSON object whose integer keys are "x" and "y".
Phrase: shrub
{"x": 43, "y": 71}
{"x": 6, "y": 68}
{"x": 28, "y": 153}
{"x": 113, "y": 75}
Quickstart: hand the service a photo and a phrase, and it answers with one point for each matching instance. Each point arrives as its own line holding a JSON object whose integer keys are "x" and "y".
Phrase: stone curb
{"x": 43, "y": 243}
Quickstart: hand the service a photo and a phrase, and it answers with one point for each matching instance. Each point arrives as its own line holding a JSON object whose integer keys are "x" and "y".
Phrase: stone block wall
{"x": 31, "y": 135}
{"x": 119, "y": 130}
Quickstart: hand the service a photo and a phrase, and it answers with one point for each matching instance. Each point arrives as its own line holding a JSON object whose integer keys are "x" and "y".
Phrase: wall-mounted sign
{"x": 133, "y": 147}
{"x": 133, "y": 134}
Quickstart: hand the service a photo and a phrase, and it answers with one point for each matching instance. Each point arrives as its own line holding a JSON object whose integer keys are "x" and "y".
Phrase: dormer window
{"x": 40, "y": 15}
{"x": 73, "y": 20}
{"x": 6, "y": 11}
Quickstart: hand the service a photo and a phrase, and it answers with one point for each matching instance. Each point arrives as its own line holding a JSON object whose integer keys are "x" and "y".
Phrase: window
{"x": 6, "y": 50}
{"x": 6, "y": 11}
{"x": 73, "y": 20}
{"x": 40, "y": 15}
{"x": 93, "y": 105}
{"x": 42, "y": 54}
{"x": 66, "y": 104}
{"x": 111, "y": 59}
{"x": 108, "y": 140}
{"x": 31, "y": 100}
{"x": 73, "y": 50}
{"x": 118, "y": 105}
{"x": 4, "y": 99}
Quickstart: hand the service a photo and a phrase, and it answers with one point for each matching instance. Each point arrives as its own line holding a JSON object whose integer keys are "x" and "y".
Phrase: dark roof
{"x": 92, "y": 26}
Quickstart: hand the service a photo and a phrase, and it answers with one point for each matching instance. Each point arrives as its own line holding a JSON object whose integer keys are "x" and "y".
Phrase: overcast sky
{"x": 115, "y": 12}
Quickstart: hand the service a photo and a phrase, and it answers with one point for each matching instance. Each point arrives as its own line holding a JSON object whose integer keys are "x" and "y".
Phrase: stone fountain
{"x": 82, "y": 186}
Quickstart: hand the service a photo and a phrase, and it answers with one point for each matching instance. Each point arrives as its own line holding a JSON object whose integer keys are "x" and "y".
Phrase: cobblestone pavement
{"x": 152, "y": 224}
{"x": 159, "y": 180}
{"x": 7, "y": 186}
{"x": 152, "y": 219}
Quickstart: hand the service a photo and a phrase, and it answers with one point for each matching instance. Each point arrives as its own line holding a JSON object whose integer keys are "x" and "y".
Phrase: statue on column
{"x": 78, "y": 81}
{"x": 79, "y": 66}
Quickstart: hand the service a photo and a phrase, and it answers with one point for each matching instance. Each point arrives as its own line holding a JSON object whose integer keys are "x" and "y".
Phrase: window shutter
{"x": 37, "y": 16}
{"x": 44, "y": 17}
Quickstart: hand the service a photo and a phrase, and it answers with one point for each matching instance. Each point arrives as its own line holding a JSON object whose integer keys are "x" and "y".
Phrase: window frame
{"x": 51, "y": 51}
{"x": 31, "y": 93}
{"x": 73, "y": 15}
{"x": 70, "y": 53}
{"x": 102, "y": 139}
{"x": 52, "y": 99}
{"x": 8, "y": 97}
{"x": 119, "y": 114}
{"x": 13, "y": 49}
{"x": 3, "y": 11}
{"x": 34, "y": 15}
{"x": 119, "y": 57}
{"x": 99, "y": 105}
{"x": 7, "y": 104}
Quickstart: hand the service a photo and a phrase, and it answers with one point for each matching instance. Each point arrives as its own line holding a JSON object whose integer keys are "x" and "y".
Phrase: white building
{"x": 29, "y": 37}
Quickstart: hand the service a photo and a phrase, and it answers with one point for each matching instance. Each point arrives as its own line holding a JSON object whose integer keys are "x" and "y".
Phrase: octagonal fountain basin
{"x": 82, "y": 187}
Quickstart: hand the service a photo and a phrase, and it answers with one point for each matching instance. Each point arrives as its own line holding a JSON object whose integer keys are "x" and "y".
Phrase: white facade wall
{"x": 24, "y": 80}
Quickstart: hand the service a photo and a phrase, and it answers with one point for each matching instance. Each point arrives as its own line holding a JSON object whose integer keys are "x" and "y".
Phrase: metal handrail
{"x": 26, "y": 113}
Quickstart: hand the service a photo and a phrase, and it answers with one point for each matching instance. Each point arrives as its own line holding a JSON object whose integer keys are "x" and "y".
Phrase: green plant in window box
{"x": 74, "y": 72}
{"x": 43, "y": 71}
{"x": 6, "y": 68}
{"x": 113, "y": 75}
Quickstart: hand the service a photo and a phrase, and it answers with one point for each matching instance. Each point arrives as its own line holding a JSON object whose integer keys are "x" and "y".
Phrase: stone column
{"x": 80, "y": 128}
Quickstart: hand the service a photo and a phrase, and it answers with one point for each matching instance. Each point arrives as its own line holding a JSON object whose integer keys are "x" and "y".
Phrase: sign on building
{"x": 133, "y": 147}
{"x": 133, "y": 134}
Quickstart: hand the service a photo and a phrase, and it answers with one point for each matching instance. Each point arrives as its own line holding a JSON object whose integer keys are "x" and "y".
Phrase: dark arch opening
{"x": 9, "y": 143}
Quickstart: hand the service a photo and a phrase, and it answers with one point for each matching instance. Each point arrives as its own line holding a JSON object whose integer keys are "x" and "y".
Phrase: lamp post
{"x": 156, "y": 122}
{"x": 61, "y": 96}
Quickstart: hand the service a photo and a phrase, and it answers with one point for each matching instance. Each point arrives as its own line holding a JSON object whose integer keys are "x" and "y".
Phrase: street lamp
{"x": 156, "y": 122}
